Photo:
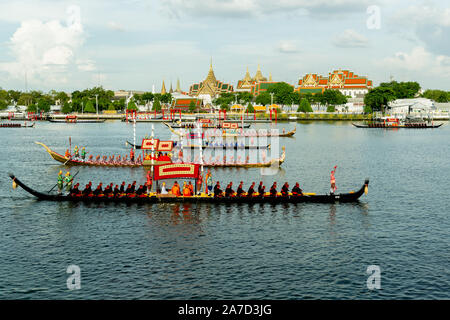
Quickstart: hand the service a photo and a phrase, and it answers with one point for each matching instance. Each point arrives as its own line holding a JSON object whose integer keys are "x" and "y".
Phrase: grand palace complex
{"x": 203, "y": 93}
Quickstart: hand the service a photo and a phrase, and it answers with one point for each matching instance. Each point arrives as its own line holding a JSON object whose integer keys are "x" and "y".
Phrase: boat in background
{"x": 236, "y": 133}
{"x": 207, "y": 145}
{"x": 16, "y": 125}
{"x": 208, "y": 124}
{"x": 74, "y": 119}
{"x": 159, "y": 147}
{"x": 407, "y": 121}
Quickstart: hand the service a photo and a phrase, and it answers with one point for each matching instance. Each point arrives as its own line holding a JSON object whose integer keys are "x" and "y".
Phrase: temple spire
{"x": 178, "y": 89}
{"x": 258, "y": 76}
{"x": 163, "y": 89}
{"x": 247, "y": 77}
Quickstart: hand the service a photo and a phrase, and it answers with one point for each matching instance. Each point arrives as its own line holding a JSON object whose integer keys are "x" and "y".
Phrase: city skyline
{"x": 133, "y": 45}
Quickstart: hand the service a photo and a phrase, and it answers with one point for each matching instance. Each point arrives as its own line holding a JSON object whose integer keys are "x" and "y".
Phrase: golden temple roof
{"x": 163, "y": 89}
{"x": 258, "y": 76}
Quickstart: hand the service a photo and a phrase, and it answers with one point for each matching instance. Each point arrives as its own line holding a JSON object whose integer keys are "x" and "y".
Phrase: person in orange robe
{"x": 191, "y": 188}
{"x": 176, "y": 189}
{"x": 186, "y": 191}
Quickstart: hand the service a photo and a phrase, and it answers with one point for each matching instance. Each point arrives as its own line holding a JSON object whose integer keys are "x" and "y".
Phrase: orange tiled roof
{"x": 355, "y": 81}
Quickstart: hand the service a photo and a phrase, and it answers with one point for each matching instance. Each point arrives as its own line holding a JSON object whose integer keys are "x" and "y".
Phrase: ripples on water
{"x": 176, "y": 251}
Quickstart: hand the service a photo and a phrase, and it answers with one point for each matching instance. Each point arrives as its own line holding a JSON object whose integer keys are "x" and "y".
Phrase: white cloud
{"x": 418, "y": 61}
{"x": 430, "y": 25}
{"x": 46, "y": 50}
{"x": 424, "y": 14}
{"x": 85, "y": 65}
{"x": 288, "y": 46}
{"x": 246, "y": 8}
{"x": 115, "y": 26}
{"x": 350, "y": 39}
{"x": 57, "y": 55}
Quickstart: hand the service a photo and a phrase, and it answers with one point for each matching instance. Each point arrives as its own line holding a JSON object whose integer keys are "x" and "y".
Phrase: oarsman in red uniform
{"x": 260, "y": 187}
{"x": 140, "y": 190}
{"x": 217, "y": 191}
{"x": 285, "y": 190}
{"x": 262, "y": 192}
{"x": 116, "y": 190}
{"x": 251, "y": 190}
{"x": 133, "y": 187}
{"x": 240, "y": 191}
{"x": 75, "y": 190}
{"x": 333, "y": 187}
{"x": 98, "y": 190}
{"x": 296, "y": 191}
{"x": 131, "y": 155}
{"x": 273, "y": 190}
{"x": 107, "y": 190}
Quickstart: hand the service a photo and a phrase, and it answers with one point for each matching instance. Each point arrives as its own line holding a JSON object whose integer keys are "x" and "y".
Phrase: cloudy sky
{"x": 132, "y": 44}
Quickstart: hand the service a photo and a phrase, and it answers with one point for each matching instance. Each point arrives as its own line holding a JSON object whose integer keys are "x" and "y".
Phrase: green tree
{"x": 402, "y": 90}
{"x": 225, "y": 106}
{"x": 104, "y": 97}
{"x": 67, "y": 108}
{"x": 89, "y": 107}
{"x": 295, "y": 98}
{"x": 263, "y": 98}
{"x": 166, "y": 98}
{"x": 119, "y": 104}
{"x": 25, "y": 99}
{"x": 437, "y": 95}
{"x": 331, "y": 108}
{"x": 3, "y": 104}
{"x": 111, "y": 107}
{"x": 147, "y": 96}
{"x": 4, "y": 95}
{"x": 282, "y": 92}
{"x": 131, "y": 105}
{"x": 378, "y": 98}
{"x": 62, "y": 97}
{"x": 192, "y": 106}
{"x": 225, "y": 98}
{"x": 244, "y": 97}
{"x": 250, "y": 108}
{"x": 334, "y": 97}
{"x": 32, "y": 108}
{"x": 156, "y": 105}
{"x": 44, "y": 103}
{"x": 304, "y": 106}
{"x": 367, "y": 109}
{"x": 14, "y": 95}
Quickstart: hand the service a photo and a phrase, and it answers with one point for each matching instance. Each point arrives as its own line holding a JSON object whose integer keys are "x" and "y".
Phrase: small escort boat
{"x": 16, "y": 125}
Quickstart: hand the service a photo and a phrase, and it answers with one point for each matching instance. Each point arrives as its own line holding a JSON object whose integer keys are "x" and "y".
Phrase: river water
{"x": 302, "y": 251}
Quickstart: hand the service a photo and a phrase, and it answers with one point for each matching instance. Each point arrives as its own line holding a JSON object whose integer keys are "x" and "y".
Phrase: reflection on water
{"x": 233, "y": 251}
